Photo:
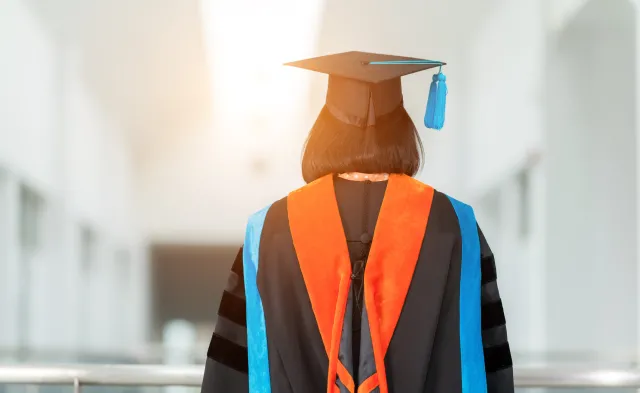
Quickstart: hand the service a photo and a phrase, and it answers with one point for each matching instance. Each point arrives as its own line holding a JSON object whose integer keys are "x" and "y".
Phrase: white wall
{"x": 592, "y": 200}
{"x": 29, "y": 85}
{"x": 28, "y": 128}
{"x": 56, "y": 140}
{"x": 560, "y": 12}
{"x": 505, "y": 92}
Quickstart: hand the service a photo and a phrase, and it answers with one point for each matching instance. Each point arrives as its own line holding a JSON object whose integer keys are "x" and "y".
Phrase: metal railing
{"x": 160, "y": 375}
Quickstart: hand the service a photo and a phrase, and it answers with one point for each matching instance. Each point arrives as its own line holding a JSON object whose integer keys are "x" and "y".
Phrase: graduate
{"x": 365, "y": 279}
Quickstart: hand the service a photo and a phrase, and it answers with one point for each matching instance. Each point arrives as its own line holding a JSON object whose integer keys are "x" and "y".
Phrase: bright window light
{"x": 247, "y": 43}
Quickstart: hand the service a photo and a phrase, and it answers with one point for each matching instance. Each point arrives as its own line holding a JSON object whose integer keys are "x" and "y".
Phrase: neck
{"x": 359, "y": 176}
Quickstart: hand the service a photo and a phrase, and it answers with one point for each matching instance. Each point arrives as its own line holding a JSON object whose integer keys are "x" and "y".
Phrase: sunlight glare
{"x": 247, "y": 42}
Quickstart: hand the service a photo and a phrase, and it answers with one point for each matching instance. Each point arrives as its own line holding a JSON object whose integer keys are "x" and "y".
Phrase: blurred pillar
{"x": 9, "y": 332}
{"x": 636, "y": 4}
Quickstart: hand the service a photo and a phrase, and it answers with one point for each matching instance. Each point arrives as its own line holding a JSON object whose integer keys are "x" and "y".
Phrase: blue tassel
{"x": 437, "y": 102}
{"x": 431, "y": 103}
{"x": 441, "y": 102}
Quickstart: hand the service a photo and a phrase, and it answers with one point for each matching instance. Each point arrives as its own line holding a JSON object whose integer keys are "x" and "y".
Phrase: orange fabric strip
{"x": 392, "y": 260}
{"x": 321, "y": 248}
{"x": 335, "y": 364}
{"x": 345, "y": 377}
{"x": 369, "y": 384}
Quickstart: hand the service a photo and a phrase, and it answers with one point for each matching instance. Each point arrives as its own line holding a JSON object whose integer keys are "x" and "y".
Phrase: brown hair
{"x": 335, "y": 147}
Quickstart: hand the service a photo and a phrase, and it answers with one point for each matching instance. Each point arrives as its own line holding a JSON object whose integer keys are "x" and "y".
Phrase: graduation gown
{"x": 345, "y": 287}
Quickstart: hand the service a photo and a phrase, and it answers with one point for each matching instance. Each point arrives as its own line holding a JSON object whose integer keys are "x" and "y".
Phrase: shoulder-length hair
{"x": 336, "y": 147}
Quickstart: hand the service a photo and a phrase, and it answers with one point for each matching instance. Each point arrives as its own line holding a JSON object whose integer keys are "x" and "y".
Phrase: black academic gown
{"x": 426, "y": 352}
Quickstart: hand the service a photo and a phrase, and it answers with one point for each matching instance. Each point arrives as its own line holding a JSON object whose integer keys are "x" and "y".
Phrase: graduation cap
{"x": 365, "y": 89}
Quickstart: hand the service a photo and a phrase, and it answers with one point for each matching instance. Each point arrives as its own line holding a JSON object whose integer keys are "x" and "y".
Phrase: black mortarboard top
{"x": 365, "y": 88}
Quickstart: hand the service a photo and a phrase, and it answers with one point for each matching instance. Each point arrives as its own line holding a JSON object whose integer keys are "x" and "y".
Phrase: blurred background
{"x": 137, "y": 136}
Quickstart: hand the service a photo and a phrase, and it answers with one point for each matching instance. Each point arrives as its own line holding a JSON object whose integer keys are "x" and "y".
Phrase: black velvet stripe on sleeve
{"x": 492, "y": 315}
{"x": 232, "y": 305}
{"x": 494, "y": 337}
{"x": 494, "y": 332}
{"x": 490, "y": 293}
{"x": 497, "y": 357}
{"x": 488, "y": 269}
{"x": 233, "y": 308}
{"x": 228, "y": 345}
{"x": 497, "y": 354}
{"x": 232, "y": 355}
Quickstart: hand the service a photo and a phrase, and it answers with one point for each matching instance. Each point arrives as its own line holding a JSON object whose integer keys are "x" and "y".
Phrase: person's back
{"x": 361, "y": 283}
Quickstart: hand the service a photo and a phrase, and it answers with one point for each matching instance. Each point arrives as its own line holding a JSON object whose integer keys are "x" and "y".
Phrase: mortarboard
{"x": 365, "y": 89}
